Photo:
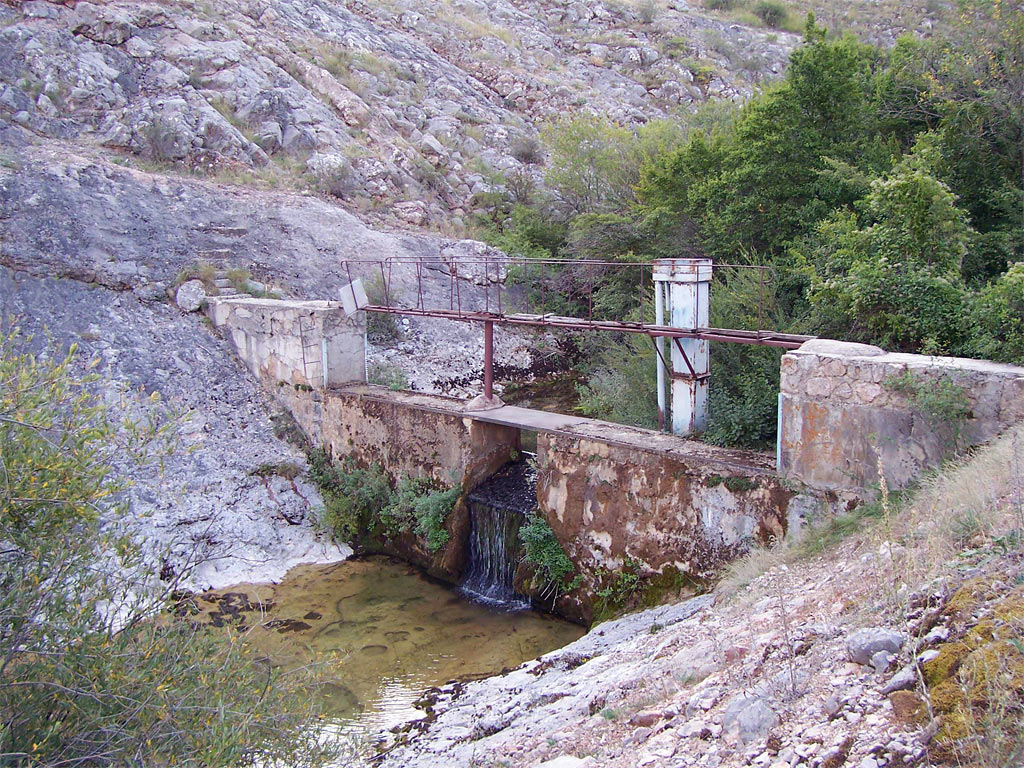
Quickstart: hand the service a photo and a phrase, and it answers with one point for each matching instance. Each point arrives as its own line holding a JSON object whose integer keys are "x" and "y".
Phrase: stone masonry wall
{"x": 282, "y": 342}
{"x": 842, "y": 417}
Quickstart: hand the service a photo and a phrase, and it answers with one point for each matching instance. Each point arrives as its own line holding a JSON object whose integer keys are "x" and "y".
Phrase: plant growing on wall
{"x": 944, "y": 405}
{"x": 418, "y": 505}
{"x": 358, "y": 500}
{"x": 352, "y": 495}
{"x": 553, "y": 571}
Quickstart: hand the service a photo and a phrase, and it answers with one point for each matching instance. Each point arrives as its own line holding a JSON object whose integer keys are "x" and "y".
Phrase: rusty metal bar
{"x": 764, "y": 338}
{"x": 489, "y": 359}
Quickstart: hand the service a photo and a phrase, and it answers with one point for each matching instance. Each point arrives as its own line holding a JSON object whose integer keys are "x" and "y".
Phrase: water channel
{"x": 384, "y": 632}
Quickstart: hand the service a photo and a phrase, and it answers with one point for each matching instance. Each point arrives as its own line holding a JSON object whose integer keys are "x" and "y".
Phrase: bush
{"x": 771, "y": 12}
{"x": 91, "y": 673}
{"x": 352, "y": 495}
{"x": 360, "y": 500}
{"x": 998, "y": 318}
{"x": 553, "y": 570}
{"x": 381, "y": 327}
{"x": 387, "y": 375}
{"x": 527, "y": 150}
{"x": 419, "y": 506}
{"x": 624, "y": 387}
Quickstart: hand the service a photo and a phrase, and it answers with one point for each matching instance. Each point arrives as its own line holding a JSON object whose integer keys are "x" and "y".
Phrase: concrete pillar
{"x": 687, "y": 284}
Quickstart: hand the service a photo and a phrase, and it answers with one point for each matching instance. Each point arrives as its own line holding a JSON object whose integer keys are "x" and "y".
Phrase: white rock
{"x": 190, "y": 295}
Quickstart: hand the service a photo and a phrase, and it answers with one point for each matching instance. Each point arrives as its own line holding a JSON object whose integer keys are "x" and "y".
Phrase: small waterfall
{"x": 497, "y": 509}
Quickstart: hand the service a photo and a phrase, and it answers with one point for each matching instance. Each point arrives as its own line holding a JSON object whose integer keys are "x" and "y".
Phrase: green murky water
{"x": 384, "y": 632}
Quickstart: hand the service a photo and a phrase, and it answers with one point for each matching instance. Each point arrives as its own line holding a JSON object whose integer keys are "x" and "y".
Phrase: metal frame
{"x": 495, "y": 306}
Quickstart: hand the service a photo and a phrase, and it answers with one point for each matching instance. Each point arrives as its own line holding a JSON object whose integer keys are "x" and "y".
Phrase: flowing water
{"x": 498, "y": 508}
{"x": 384, "y": 632}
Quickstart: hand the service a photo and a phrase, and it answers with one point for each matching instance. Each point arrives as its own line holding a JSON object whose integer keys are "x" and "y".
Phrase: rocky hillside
{"x": 411, "y": 106}
{"x": 893, "y": 643}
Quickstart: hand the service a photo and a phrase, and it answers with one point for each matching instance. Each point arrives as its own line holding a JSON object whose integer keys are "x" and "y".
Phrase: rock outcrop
{"x": 410, "y": 104}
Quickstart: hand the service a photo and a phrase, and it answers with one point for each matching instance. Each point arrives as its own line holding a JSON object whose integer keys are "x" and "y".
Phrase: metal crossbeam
{"x": 763, "y": 338}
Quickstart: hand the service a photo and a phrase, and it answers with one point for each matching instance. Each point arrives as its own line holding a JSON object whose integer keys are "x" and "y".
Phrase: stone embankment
{"x": 793, "y": 672}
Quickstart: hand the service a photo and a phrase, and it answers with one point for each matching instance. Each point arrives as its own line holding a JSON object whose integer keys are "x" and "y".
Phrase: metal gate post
{"x": 688, "y": 282}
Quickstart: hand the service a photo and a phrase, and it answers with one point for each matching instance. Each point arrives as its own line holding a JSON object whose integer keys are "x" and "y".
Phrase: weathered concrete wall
{"x": 688, "y": 508}
{"x": 294, "y": 342}
{"x": 842, "y": 417}
{"x": 408, "y": 434}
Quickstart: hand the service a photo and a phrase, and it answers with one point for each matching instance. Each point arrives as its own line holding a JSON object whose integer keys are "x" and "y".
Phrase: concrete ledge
{"x": 299, "y": 343}
{"x": 543, "y": 422}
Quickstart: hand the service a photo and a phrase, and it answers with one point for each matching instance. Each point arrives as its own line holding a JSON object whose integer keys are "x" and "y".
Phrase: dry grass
{"x": 970, "y": 504}
{"x": 758, "y": 561}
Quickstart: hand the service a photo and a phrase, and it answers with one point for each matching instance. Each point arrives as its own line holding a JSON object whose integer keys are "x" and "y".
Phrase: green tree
{"x": 892, "y": 276}
{"x": 997, "y": 314}
{"x": 92, "y": 671}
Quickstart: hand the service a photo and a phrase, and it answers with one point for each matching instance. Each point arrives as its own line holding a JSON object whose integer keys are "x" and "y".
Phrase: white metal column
{"x": 659, "y": 319}
{"x": 688, "y": 284}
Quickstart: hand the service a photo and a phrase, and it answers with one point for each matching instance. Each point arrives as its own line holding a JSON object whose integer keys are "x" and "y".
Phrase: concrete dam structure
{"x": 672, "y": 509}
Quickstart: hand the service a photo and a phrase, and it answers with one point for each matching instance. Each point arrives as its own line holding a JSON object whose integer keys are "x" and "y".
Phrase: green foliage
{"x": 771, "y": 12}
{"x": 552, "y": 568}
{"x": 618, "y": 588}
{"x": 387, "y": 375}
{"x": 91, "y": 673}
{"x": 289, "y": 470}
{"x": 352, "y": 495}
{"x": 359, "y": 501}
{"x": 623, "y": 387}
{"x": 418, "y": 505}
{"x": 381, "y": 327}
{"x": 997, "y": 316}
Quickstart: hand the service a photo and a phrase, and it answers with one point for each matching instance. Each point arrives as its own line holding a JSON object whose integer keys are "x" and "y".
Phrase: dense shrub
{"x": 352, "y": 495}
{"x": 997, "y": 316}
{"x": 771, "y": 12}
{"x": 419, "y": 506}
{"x": 91, "y": 671}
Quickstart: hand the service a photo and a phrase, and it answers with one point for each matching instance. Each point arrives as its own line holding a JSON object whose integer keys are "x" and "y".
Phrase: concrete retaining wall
{"x": 689, "y": 509}
{"x": 842, "y": 416}
{"x": 297, "y": 343}
{"x": 406, "y": 433}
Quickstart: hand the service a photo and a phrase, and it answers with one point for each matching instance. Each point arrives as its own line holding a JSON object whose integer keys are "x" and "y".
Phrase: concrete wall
{"x": 406, "y": 433}
{"x": 690, "y": 508}
{"x": 287, "y": 342}
{"x": 841, "y": 417}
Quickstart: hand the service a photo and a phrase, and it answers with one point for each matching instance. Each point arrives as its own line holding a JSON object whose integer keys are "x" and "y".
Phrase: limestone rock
{"x": 190, "y": 295}
{"x": 748, "y": 719}
{"x": 903, "y": 680}
{"x": 840, "y": 348}
{"x": 412, "y": 212}
{"x": 862, "y": 645}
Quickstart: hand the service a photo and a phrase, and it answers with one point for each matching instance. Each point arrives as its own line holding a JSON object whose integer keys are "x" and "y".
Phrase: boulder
{"x": 862, "y": 645}
{"x": 190, "y": 295}
{"x": 748, "y": 719}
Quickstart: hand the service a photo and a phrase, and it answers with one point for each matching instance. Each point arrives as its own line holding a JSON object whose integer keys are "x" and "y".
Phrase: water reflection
{"x": 387, "y": 634}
